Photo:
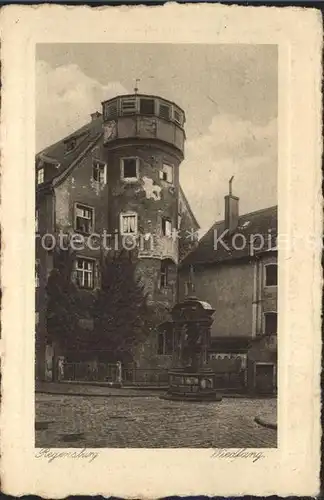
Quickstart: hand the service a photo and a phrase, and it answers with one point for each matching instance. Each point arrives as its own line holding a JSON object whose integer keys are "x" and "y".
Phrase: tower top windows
{"x": 140, "y": 104}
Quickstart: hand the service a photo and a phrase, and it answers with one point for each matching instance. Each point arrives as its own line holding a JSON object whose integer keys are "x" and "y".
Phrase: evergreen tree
{"x": 63, "y": 301}
{"x": 122, "y": 316}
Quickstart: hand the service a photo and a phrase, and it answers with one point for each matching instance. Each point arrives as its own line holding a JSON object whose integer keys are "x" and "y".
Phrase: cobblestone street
{"x": 150, "y": 422}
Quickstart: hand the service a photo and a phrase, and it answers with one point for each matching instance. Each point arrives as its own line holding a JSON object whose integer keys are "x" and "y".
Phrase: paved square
{"x": 150, "y": 422}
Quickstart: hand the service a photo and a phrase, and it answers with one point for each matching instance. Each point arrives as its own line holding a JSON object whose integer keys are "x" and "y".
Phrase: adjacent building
{"x": 234, "y": 268}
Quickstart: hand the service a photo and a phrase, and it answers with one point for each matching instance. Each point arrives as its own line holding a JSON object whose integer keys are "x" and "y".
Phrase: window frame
{"x": 164, "y": 272}
{"x": 103, "y": 164}
{"x": 87, "y": 207}
{"x": 111, "y": 106}
{"x": 164, "y": 352}
{"x": 70, "y": 145}
{"x": 163, "y": 220}
{"x": 91, "y": 272}
{"x": 122, "y": 169}
{"x": 264, "y": 323}
{"x": 40, "y": 176}
{"x": 162, "y": 171}
{"x": 128, "y": 214}
{"x": 154, "y": 106}
{"x": 265, "y": 274}
{"x": 165, "y": 105}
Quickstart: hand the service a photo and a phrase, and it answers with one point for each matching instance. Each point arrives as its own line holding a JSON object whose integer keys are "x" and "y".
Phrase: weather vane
{"x": 136, "y": 85}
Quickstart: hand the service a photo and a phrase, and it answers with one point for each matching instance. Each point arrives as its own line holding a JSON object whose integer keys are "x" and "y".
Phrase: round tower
{"x": 144, "y": 145}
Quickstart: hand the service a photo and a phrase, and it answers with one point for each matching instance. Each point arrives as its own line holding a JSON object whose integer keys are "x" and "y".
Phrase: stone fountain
{"x": 190, "y": 379}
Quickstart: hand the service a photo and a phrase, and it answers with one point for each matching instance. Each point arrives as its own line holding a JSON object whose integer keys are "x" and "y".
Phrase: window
{"x": 271, "y": 275}
{"x": 160, "y": 349}
{"x": 166, "y": 173}
{"x": 37, "y": 273}
{"x": 128, "y": 223}
{"x": 177, "y": 115}
{"x": 164, "y": 274}
{"x": 128, "y": 105}
{"x": 270, "y": 323}
{"x": 84, "y": 273}
{"x": 99, "y": 172}
{"x": 165, "y": 342}
{"x": 40, "y": 176}
{"x": 129, "y": 169}
{"x": 147, "y": 106}
{"x": 165, "y": 111}
{"x": 166, "y": 227}
{"x": 84, "y": 217}
{"x": 110, "y": 110}
{"x": 36, "y": 221}
{"x": 70, "y": 145}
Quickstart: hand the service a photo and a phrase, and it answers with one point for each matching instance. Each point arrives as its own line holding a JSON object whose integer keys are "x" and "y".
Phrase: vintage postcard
{"x": 161, "y": 225}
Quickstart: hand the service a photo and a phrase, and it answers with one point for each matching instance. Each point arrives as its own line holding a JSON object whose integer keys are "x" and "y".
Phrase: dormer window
{"x": 164, "y": 278}
{"x": 40, "y": 176}
{"x": 147, "y": 106}
{"x": 271, "y": 275}
{"x": 70, "y": 145}
{"x": 129, "y": 169}
{"x": 99, "y": 172}
{"x": 270, "y": 323}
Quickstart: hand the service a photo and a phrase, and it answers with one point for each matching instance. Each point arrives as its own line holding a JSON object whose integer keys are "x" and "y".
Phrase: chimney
{"x": 231, "y": 209}
{"x": 95, "y": 115}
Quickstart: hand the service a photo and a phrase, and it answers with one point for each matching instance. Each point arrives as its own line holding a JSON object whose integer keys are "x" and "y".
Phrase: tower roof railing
{"x": 143, "y": 104}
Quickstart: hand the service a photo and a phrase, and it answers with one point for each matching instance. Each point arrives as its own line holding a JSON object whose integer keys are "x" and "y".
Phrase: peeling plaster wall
{"x": 80, "y": 187}
{"x": 150, "y": 197}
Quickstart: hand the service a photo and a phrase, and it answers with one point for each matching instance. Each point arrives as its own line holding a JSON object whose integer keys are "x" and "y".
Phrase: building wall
{"x": 229, "y": 290}
{"x": 44, "y": 264}
{"x": 265, "y": 297}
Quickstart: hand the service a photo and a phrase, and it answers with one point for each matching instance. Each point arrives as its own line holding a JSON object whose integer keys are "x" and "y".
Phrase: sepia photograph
{"x": 156, "y": 245}
{"x": 161, "y": 249}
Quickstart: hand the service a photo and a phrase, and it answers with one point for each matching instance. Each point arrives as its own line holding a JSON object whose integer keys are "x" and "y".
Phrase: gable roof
{"x": 188, "y": 207}
{"x": 211, "y": 250}
{"x": 56, "y": 154}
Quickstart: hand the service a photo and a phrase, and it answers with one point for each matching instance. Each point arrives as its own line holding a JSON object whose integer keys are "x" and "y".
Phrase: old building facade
{"x": 234, "y": 268}
{"x": 115, "y": 178}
